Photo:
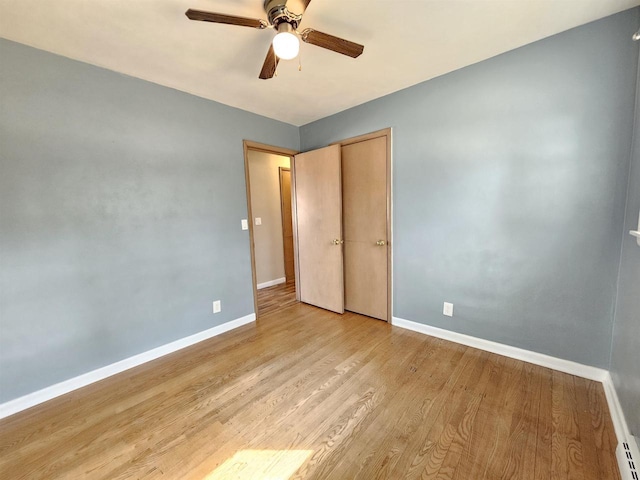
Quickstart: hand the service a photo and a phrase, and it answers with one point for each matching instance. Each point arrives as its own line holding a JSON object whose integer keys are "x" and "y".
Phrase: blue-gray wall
{"x": 120, "y": 203}
{"x": 625, "y": 348}
{"x": 509, "y": 189}
{"x": 120, "y": 208}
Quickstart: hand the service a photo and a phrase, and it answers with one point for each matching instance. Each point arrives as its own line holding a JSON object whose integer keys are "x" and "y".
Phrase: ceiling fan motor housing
{"x": 278, "y": 12}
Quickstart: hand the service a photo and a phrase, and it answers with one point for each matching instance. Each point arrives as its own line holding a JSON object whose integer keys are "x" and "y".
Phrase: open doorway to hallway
{"x": 269, "y": 197}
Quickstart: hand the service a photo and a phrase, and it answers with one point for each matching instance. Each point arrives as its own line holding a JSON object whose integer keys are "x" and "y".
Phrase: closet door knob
{"x": 336, "y": 241}
{"x": 381, "y": 243}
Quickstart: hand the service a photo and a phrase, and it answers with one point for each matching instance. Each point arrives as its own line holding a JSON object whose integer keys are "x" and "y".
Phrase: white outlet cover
{"x": 245, "y": 224}
{"x": 258, "y": 221}
{"x": 447, "y": 309}
{"x": 217, "y": 307}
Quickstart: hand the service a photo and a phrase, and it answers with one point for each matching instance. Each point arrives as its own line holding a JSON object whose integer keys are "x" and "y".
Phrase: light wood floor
{"x": 278, "y": 297}
{"x": 306, "y": 393}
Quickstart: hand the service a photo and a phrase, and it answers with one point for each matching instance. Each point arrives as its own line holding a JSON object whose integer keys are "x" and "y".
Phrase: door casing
{"x": 283, "y": 201}
{"x": 248, "y": 145}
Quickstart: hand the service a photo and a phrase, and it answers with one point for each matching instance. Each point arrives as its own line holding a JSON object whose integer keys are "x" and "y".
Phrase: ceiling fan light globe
{"x": 286, "y": 45}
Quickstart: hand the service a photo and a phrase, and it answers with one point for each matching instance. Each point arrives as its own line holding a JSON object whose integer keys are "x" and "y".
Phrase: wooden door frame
{"x": 280, "y": 170}
{"x": 248, "y": 145}
{"x": 387, "y": 133}
{"x": 294, "y": 218}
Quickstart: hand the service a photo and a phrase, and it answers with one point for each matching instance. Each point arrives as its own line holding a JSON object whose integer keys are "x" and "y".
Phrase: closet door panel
{"x": 318, "y": 197}
{"x": 364, "y": 197}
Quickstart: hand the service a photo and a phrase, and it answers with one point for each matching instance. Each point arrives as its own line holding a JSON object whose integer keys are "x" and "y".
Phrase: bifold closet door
{"x": 318, "y": 213}
{"x": 366, "y": 247}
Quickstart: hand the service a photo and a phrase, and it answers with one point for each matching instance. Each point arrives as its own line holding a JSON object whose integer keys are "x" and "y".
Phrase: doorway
{"x": 268, "y": 182}
{"x": 334, "y": 205}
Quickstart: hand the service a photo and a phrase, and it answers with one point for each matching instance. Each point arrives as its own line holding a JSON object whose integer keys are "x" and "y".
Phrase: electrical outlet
{"x": 258, "y": 221}
{"x": 447, "y": 309}
{"x": 216, "y": 306}
{"x": 244, "y": 224}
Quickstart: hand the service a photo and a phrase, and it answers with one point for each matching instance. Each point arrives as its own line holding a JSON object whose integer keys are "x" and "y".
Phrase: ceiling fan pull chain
{"x": 300, "y": 62}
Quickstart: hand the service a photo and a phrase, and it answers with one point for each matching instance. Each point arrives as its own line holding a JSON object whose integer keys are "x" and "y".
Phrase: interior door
{"x": 287, "y": 223}
{"x": 366, "y": 247}
{"x": 318, "y": 214}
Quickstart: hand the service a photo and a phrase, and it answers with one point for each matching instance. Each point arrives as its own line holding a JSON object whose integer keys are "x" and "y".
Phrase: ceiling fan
{"x": 284, "y": 16}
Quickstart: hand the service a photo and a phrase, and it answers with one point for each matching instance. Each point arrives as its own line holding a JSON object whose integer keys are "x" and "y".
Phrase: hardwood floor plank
{"x": 505, "y": 400}
{"x": 185, "y": 397}
{"x": 276, "y": 298}
{"x": 523, "y": 427}
{"x": 604, "y": 434}
{"x": 401, "y": 419}
{"x": 305, "y": 393}
{"x": 388, "y": 389}
{"x": 598, "y": 450}
{"x": 462, "y": 435}
{"x": 542, "y": 467}
{"x": 567, "y": 458}
{"x": 434, "y": 439}
{"x": 475, "y": 446}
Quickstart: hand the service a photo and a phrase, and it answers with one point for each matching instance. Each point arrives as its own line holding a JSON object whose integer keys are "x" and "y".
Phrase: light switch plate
{"x": 447, "y": 309}
{"x": 258, "y": 221}
{"x": 217, "y": 307}
{"x": 245, "y": 224}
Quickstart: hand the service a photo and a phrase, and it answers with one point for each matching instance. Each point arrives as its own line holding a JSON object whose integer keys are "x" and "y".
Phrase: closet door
{"x": 318, "y": 205}
{"x": 365, "y": 211}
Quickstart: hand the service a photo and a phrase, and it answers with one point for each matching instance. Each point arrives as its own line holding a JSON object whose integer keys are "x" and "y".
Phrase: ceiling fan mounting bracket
{"x": 277, "y": 12}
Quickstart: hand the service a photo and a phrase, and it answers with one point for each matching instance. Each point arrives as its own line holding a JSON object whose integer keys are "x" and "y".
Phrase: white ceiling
{"x": 406, "y": 42}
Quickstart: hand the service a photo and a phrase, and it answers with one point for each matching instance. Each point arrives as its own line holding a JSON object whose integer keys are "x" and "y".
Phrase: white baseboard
{"x": 623, "y": 434}
{"x": 271, "y": 283}
{"x": 48, "y": 393}
{"x": 566, "y": 366}
{"x": 592, "y": 373}
{"x": 615, "y": 409}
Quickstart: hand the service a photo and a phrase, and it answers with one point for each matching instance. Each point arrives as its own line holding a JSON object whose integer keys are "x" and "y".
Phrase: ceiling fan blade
{"x": 227, "y": 19}
{"x": 335, "y": 44}
{"x": 270, "y": 64}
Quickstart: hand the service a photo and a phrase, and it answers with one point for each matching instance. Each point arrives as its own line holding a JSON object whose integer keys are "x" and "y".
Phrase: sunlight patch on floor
{"x": 261, "y": 465}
